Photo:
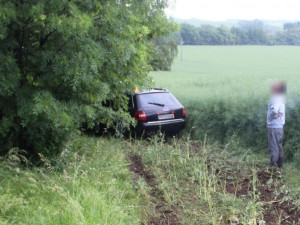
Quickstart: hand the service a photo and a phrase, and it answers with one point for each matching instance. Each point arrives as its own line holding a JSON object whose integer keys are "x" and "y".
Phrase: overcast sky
{"x": 235, "y": 9}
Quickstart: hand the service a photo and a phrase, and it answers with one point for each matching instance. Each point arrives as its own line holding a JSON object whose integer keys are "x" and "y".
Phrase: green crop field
{"x": 230, "y": 72}
{"x": 225, "y": 89}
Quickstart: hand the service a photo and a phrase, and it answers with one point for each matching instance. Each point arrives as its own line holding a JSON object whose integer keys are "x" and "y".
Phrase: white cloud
{"x": 235, "y": 9}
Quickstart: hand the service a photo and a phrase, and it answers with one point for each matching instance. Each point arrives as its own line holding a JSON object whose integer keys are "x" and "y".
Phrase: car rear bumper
{"x": 169, "y": 126}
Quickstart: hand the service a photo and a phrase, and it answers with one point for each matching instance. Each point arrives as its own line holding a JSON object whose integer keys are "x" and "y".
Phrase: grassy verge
{"x": 110, "y": 181}
{"x": 89, "y": 184}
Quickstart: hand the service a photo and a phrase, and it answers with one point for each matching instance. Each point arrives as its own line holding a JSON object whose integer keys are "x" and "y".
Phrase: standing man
{"x": 275, "y": 123}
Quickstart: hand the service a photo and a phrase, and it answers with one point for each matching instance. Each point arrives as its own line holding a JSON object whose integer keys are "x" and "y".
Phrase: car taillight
{"x": 140, "y": 116}
{"x": 184, "y": 112}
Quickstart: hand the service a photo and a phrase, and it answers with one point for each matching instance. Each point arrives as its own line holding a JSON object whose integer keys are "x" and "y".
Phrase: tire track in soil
{"x": 164, "y": 216}
{"x": 276, "y": 207}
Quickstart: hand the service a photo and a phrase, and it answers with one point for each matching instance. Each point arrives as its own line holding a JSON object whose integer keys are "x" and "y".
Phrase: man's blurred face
{"x": 276, "y": 88}
{"x": 279, "y": 88}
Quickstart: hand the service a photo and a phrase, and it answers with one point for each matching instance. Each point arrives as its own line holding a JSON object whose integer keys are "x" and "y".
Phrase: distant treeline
{"x": 246, "y": 33}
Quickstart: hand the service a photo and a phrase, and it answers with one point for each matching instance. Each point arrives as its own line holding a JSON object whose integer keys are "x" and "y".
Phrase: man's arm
{"x": 275, "y": 111}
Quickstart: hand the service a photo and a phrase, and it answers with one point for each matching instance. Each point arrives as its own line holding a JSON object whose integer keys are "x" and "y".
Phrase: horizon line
{"x": 212, "y": 20}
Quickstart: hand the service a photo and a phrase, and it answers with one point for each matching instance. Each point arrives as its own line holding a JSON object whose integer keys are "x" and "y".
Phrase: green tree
{"x": 257, "y": 37}
{"x": 210, "y": 35}
{"x": 165, "y": 51}
{"x": 248, "y": 33}
{"x": 240, "y": 37}
{"x": 291, "y": 33}
{"x": 68, "y": 62}
{"x": 226, "y": 37}
{"x": 189, "y": 34}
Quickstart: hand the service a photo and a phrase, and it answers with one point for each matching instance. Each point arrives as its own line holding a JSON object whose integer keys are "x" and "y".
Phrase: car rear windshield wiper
{"x": 158, "y": 104}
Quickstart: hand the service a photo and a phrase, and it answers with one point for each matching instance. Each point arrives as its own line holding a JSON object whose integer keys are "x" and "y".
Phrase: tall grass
{"x": 226, "y": 90}
{"x": 186, "y": 175}
{"x": 88, "y": 184}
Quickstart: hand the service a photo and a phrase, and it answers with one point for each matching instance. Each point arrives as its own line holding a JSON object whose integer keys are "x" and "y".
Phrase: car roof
{"x": 153, "y": 90}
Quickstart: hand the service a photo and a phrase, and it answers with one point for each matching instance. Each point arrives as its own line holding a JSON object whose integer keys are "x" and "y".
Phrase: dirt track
{"x": 163, "y": 216}
{"x": 277, "y": 208}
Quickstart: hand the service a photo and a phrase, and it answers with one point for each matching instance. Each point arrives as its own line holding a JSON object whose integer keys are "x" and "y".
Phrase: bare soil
{"x": 277, "y": 208}
{"x": 163, "y": 216}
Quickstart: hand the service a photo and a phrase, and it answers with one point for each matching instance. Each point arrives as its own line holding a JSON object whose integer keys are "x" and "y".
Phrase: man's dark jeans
{"x": 275, "y": 137}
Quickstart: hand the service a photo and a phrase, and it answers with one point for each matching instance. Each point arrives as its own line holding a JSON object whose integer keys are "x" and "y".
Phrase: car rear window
{"x": 156, "y": 99}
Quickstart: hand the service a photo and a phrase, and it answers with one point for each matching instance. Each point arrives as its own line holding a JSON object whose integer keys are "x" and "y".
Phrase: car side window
{"x": 131, "y": 104}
